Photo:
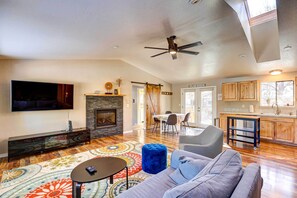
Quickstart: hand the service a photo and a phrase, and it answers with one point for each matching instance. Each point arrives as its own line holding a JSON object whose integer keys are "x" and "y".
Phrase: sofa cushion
{"x": 218, "y": 178}
{"x": 188, "y": 168}
{"x": 154, "y": 186}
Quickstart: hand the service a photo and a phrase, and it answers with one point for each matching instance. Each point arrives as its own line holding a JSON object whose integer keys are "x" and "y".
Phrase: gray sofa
{"x": 221, "y": 177}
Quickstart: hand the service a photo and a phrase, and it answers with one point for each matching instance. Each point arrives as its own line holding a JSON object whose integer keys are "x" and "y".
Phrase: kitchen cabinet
{"x": 248, "y": 90}
{"x": 241, "y": 91}
{"x": 229, "y": 92}
{"x": 223, "y": 122}
{"x": 278, "y": 129}
{"x": 284, "y": 131}
{"x": 267, "y": 129}
{"x": 295, "y": 141}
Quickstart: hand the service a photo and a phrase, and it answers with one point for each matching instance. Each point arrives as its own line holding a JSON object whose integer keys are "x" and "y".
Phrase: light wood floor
{"x": 278, "y": 162}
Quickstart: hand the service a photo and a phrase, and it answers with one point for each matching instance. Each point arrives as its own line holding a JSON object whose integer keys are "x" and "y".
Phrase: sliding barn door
{"x": 152, "y": 103}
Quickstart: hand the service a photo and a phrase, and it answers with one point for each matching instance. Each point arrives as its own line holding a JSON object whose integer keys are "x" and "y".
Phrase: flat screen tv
{"x": 34, "y": 96}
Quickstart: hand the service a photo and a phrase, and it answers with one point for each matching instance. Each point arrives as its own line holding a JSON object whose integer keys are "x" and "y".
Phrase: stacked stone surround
{"x": 104, "y": 102}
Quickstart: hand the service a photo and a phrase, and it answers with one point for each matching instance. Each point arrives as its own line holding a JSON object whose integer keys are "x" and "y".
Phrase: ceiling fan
{"x": 173, "y": 49}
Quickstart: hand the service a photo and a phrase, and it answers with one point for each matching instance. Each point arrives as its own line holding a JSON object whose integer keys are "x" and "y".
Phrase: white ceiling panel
{"x": 89, "y": 29}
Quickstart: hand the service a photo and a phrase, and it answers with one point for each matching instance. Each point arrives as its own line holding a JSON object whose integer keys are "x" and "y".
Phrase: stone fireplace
{"x": 104, "y": 115}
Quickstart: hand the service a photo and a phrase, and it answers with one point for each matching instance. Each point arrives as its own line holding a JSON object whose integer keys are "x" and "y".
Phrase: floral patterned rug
{"x": 52, "y": 178}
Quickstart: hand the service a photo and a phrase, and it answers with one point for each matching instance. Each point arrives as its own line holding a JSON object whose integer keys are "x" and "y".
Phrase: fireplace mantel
{"x": 105, "y": 95}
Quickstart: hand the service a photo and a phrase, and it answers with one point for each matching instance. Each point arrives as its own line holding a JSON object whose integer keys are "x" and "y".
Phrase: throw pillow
{"x": 188, "y": 168}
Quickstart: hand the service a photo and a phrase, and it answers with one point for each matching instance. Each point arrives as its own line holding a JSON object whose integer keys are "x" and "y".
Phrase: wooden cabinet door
{"x": 223, "y": 122}
{"x": 267, "y": 129}
{"x": 229, "y": 92}
{"x": 295, "y": 141}
{"x": 284, "y": 131}
{"x": 248, "y": 91}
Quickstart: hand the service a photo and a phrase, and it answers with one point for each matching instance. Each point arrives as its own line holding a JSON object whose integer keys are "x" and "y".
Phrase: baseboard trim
{"x": 3, "y": 155}
{"x": 130, "y": 131}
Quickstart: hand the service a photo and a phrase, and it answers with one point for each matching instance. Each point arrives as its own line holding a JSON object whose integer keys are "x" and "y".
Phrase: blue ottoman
{"x": 154, "y": 158}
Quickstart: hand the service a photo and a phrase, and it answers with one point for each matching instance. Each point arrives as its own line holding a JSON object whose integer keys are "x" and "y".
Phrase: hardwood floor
{"x": 278, "y": 162}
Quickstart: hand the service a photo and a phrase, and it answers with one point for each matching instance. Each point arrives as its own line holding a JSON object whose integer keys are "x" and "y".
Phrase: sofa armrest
{"x": 250, "y": 184}
{"x": 179, "y": 153}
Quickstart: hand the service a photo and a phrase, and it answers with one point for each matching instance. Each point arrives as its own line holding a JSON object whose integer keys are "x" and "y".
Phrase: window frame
{"x": 261, "y": 18}
{"x": 277, "y": 81}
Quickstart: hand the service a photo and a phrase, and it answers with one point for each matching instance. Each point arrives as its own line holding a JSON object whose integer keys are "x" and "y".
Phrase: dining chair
{"x": 171, "y": 121}
{"x": 163, "y": 121}
{"x": 156, "y": 124}
{"x": 185, "y": 122}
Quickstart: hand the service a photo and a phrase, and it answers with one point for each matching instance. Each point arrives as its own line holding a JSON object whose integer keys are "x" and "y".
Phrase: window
{"x": 279, "y": 92}
{"x": 257, "y": 7}
{"x": 261, "y": 11}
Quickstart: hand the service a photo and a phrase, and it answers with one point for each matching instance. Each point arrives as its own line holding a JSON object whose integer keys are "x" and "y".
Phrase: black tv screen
{"x": 34, "y": 96}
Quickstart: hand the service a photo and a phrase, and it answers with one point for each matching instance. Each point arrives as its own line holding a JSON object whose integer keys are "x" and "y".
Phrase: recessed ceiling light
{"x": 276, "y": 72}
{"x": 115, "y": 47}
{"x": 288, "y": 47}
{"x": 242, "y": 55}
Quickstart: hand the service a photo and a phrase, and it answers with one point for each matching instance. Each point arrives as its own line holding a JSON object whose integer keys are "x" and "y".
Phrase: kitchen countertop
{"x": 261, "y": 114}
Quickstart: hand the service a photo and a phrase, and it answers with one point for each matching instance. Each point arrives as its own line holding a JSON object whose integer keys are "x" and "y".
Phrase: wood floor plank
{"x": 278, "y": 162}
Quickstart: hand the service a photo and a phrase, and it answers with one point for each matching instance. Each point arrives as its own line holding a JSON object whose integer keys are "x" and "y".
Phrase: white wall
{"x": 231, "y": 106}
{"x": 87, "y": 76}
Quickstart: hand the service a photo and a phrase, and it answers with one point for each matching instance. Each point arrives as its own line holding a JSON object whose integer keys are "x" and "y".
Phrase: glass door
{"x": 206, "y": 106}
{"x": 201, "y": 104}
{"x": 189, "y": 104}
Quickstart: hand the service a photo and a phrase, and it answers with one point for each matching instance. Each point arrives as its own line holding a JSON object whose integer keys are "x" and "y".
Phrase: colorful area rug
{"x": 52, "y": 178}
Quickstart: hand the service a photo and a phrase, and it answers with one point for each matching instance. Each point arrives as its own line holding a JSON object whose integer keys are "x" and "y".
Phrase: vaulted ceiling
{"x": 89, "y": 29}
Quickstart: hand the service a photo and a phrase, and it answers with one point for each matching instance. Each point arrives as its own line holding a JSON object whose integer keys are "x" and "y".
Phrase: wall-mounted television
{"x": 35, "y": 96}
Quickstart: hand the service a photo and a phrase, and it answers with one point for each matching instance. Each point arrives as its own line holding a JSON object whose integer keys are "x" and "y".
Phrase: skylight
{"x": 259, "y": 7}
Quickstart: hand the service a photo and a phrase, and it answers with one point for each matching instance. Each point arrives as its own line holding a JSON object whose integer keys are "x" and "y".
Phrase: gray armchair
{"x": 209, "y": 143}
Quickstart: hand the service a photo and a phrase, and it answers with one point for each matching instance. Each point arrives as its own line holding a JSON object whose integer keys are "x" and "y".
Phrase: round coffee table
{"x": 105, "y": 166}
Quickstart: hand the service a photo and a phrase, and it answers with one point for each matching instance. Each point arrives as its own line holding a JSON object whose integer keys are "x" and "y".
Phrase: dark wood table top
{"x": 105, "y": 166}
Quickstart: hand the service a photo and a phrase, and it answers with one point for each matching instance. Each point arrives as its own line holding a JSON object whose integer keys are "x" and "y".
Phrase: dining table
{"x": 164, "y": 117}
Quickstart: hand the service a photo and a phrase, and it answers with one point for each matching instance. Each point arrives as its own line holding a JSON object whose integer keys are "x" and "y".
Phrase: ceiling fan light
{"x": 172, "y": 51}
{"x": 275, "y": 72}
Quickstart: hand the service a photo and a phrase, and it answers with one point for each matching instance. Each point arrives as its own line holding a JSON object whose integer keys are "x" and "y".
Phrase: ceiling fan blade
{"x": 190, "y": 45}
{"x": 188, "y": 52}
{"x": 158, "y": 48}
{"x": 158, "y": 54}
{"x": 174, "y": 56}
